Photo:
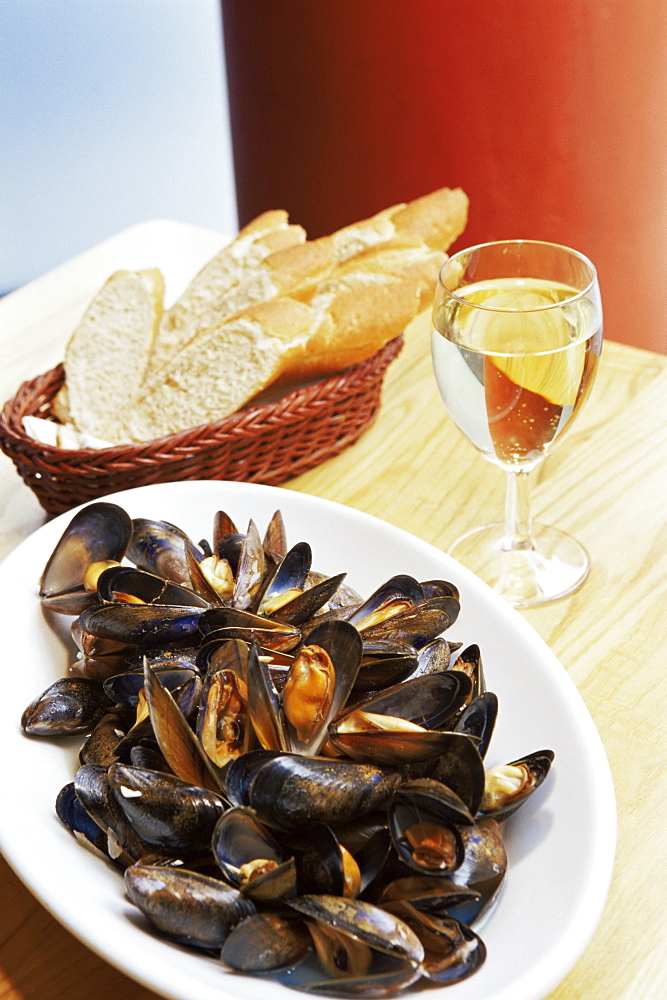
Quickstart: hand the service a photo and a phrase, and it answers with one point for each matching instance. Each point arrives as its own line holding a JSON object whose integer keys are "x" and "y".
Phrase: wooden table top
{"x": 606, "y": 484}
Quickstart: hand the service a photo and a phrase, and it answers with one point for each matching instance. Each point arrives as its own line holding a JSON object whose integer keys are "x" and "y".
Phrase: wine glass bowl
{"x": 516, "y": 340}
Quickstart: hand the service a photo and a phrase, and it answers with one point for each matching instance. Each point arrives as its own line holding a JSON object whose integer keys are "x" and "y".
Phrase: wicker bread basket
{"x": 261, "y": 444}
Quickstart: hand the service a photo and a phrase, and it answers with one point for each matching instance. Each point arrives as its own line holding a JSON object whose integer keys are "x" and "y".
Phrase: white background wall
{"x": 112, "y": 112}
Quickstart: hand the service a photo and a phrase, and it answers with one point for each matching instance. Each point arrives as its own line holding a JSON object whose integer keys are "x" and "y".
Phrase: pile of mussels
{"x": 288, "y": 775}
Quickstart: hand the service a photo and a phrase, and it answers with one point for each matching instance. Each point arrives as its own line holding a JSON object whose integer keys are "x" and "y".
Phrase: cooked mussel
{"x": 251, "y": 858}
{"x": 424, "y": 820}
{"x": 290, "y": 791}
{"x": 185, "y": 906}
{"x": 69, "y": 705}
{"x": 319, "y": 682}
{"x": 508, "y": 786}
{"x": 160, "y": 548}
{"x": 400, "y": 724}
{"x": 127, "y": 584}
{"x": 364, "y": 949}
{"x": 164, "y": 810}
{"x": 266, "y": 942}
{"x": 97, "y": 535}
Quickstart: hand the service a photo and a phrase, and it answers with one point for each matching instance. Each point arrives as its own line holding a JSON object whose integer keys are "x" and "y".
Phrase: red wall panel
{"x": 551, "y": 114}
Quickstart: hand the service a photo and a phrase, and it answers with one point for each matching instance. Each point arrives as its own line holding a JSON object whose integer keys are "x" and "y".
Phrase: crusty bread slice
{"x": 205, "y": 300}
{"x": 106, "y": 355}
{"x": 349, "y": 317}
{"x": 221, "y": 370}
{"x": 294, "y": 271}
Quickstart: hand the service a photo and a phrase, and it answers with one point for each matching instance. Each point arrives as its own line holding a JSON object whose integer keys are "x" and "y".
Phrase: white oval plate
{"x": 560, "y": 846}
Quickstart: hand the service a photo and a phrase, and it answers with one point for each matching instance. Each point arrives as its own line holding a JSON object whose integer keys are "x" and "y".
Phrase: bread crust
{"x": 203, "y": 301}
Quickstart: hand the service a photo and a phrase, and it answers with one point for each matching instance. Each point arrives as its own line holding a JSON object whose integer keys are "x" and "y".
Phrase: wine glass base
{"x": 553, "y": 567}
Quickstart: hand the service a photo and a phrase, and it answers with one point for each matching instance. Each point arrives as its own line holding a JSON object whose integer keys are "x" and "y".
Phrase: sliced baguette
{"x": 294, "y": 271}
{"x": 206, "y": 300}
{"x": 227, "y": 365}
{"x": 433, "y": 221}
{"x": 348, "y": 318}
{"x": 106, "y": 355}
{"x": 269, "y": 310}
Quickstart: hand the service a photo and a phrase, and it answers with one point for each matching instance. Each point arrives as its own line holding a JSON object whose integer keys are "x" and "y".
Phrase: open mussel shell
{"x": 186, "y": 906}
{"x": 434, "y": 656}
{"x": 385, "y": 662}
{"x": 375, "y": 729}
{"x": 412, "y": 750}
{"x": 343, "y": 602}
{"x": 318, "y": 683}
{"x": 462, "y": 770}
{"x": 305, "y": 606}
{"x": 223, "y": 525}
{"x": 275, "y": 537}
{"x": 507, "y": 787}
{"x": 428, "y": 893}
{"x": 164, "y": 810}
{"x": 264, "y": 706}
{"x": 160, "y": 548}
{"x": 98, "y": 533}
{"x": 424, "y": 819}
{"x": 291, "y": 791}
{"x": 426, "y": 795}
{"x": 429, "y": 701}
{"x": 452, "y": 950}
{"x": 177, "y": 741}
{"x": 325, "y": 866}
{"x": 249, "y": 576}
{"x": 395, "y": 595}
{"x": 469, "y": 661}
{"x": 147, "y": 626}
{"x": 223, "y": 654}
{"x": 69, "y": 705}
{"x": 223, "y": 720}
{"x": 366, "y": 950}
{"x": 418, "y": 624}
{"x": 125, "y": 688}
{"x": 233, "y": 623}
{"x": 250, "y": 858}
{"x": 479, "y": 719}
{"x": 288, "y": 579}
{"x": 125, "y": 584}
{"x": 439, "y": 588}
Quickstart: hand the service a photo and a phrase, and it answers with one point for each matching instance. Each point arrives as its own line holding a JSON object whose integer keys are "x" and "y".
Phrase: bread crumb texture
{"x": 107, "y": 353}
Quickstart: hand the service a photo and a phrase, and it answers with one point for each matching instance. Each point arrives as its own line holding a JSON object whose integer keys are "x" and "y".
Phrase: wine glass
{"x": 517, "y": 338}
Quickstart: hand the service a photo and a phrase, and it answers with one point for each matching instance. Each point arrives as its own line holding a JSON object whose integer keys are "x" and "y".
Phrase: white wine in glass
{"x": 517, "y": 337}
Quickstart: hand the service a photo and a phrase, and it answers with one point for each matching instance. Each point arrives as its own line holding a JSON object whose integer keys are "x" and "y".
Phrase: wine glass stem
{"x": 517, "y": 512}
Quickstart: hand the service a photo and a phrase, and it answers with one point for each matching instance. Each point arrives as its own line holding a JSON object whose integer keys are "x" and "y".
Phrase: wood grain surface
{"x": 607, "y": 484}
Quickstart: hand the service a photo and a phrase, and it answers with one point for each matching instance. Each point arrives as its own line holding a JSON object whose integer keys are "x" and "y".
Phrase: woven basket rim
{"x": 247, "y": 421}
